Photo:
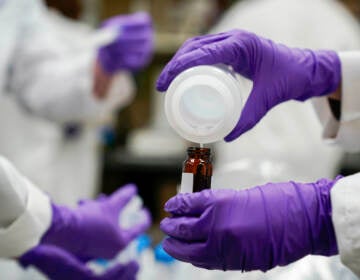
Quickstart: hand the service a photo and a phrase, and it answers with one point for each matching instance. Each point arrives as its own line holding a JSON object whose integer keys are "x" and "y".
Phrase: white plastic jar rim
{"x": 223, "y": 87}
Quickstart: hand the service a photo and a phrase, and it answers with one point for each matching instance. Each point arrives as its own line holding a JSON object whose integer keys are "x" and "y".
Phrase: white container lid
{"x": 203, "y": 103}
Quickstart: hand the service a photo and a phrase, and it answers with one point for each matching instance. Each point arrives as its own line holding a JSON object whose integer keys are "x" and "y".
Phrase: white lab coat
{"x": 46, "y": 76}
{"x": 345, "y": 196}
{"x": 46, "y": 83}
{"x": 287, "y": 144}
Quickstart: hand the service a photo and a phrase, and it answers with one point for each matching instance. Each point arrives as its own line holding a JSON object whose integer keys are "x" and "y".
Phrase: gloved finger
{"x": 147, "y": 54}
{"x": 101, "y": 197}
{"x": 121, "y": 271}
{"x": 139, "y": 18}
{"x": 52, "y": 260}
{"x": 134, "y": 61}
{"x": 133, "y": 38}
{"x": 190, "y": 204}
{"x": 254, "y": 110}
{"x": 135, "y": 19}
{"x": 83, "y": 201}
{"x": 199, "y": 41}
{"x": 122, "y": 196}
{"x": 137, "y": 28}
{"x": 186, "y": 228}
{"x": 136, "y": 230}
{"x": 206, "y": 55}
{"x": 133, "y": 51}
{"x": 204, "y": 265}
{"x": 184, "y": 251}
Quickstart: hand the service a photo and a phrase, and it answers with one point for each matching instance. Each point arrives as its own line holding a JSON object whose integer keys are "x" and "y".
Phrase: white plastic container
{"x": 204, "y": 103}
{"x": 129, "y": 217}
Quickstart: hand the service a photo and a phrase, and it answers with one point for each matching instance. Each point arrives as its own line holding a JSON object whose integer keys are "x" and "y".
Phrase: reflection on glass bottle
{"x": 197, "y": 170}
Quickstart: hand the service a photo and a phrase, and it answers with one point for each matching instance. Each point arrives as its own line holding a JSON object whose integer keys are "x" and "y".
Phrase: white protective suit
{"x": 287, "y": 144}
{"x": 46, "y": 79}
{"x": 46, "y": 84}
{"x": 345, "y": 196}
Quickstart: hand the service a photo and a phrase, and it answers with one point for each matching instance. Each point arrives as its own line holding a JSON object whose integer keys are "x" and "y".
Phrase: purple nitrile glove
{"x": 279, "y": 73}
{"x": 92, "y": 229}
{"x": 253, "y": 229}
{"x": 59, "y": 264}
{"x": 133, "y": 47}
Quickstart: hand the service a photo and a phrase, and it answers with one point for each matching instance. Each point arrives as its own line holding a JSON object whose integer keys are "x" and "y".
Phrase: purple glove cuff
{"x": 324, "y": 238}
{"x": 324, "y": 74}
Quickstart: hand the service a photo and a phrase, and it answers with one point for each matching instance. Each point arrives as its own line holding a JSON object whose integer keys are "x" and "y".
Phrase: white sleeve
{"x": 25, "y": 212}
{"x": 346, "y": 218}
{"x": 345, "y": 132}
{"x": 52, "y": 77}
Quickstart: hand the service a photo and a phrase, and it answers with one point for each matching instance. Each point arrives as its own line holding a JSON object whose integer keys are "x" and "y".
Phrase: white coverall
{"x": 286, "y": 144}
{"x": 23, "y": 227}
{"x": 46, "y": 79}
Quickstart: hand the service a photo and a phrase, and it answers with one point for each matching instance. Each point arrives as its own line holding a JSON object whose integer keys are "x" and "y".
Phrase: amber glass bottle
{"x": 197, "y": 170}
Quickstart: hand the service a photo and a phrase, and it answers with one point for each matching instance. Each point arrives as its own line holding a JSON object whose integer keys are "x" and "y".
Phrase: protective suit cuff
{"x": 26, "y": 231}
{"x": 350, "y": 72}
{"x": 346, "y": 217}
{"x": 345, "y": 132}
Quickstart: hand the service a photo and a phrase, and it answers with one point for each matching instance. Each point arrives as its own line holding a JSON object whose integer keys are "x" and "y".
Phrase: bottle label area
{"x": 187, "y": 180}
{"x": 194, "y": 183}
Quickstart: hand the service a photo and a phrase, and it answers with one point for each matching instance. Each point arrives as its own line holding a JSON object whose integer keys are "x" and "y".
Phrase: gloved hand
{"x": 133, "y": 47}
{"x": 252, "y": 229}
{"x": 59, "y": 264}
{"x": 92, "y": 229}
{"x": 279, "y": 73}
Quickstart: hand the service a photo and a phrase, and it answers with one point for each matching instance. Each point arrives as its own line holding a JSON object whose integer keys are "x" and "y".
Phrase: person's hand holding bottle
{"x": 279, "y": 73}
{"x": 253, "y": 229}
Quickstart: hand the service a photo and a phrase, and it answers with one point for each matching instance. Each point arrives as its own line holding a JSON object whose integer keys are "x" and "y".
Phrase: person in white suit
{"x": 57, "y": 76}
{"x": 277, "y": 223}
{"x": 275, "y": 150}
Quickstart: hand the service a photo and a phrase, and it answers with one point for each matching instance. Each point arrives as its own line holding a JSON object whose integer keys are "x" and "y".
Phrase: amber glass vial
{"x": 197, "y": 170}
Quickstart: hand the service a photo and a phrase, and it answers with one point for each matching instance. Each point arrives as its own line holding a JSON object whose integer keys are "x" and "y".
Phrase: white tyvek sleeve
{"x": 345, "y": 132}
{"x": 52, "y": 77}
{"x": 346, "y": 218}
{"x": 25, "y": 212}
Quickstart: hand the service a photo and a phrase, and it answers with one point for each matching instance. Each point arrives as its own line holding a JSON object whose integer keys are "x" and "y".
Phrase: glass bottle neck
{"x": 197, "y": 152}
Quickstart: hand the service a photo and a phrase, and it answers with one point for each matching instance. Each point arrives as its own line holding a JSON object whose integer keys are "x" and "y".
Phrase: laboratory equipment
{"x": 131, "y": 216}
{"x": 204, "y": 103}
{"x": 197, "y": 170}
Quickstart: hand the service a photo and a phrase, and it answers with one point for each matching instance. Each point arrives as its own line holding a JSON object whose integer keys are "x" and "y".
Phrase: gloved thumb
{"x": 121, "y": 272}
{"x": 122, "y": 196}
{"x": 56, "y": 263}
{"x": 254, "y": 110}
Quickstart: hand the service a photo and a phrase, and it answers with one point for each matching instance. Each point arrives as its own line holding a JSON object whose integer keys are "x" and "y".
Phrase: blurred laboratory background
{"x": 132, "y": 141}
{"x": 138, "y": 144}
